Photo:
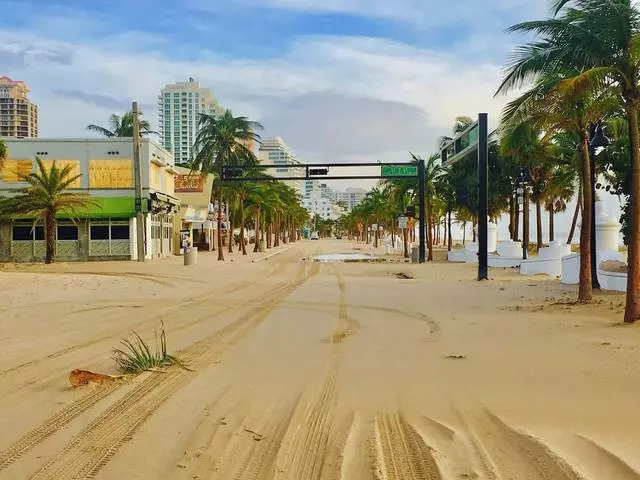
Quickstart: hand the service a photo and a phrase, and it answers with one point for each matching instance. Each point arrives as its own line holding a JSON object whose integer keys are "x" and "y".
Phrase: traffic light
{"x": 318, "y": 171}
{"x": 411, "y": 212}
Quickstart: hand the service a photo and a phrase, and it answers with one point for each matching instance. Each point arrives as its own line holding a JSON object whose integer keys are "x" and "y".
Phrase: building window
{"x": 99, "y": 232}
{"x": 67, "y": 232}
{"x": 27, "y": 233}
{"x": 120, "y": 232}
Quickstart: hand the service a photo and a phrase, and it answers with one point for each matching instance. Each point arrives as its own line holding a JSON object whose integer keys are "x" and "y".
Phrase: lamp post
{"x": 597, "y": 142}
{"x": 522, "y": 181}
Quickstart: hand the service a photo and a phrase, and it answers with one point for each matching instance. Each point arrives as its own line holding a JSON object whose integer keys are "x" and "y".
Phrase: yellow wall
{"x": 111, "y": 173}
{"x": 155, "y": 176}
{"x": 13, "y": 168}
{"x": 169, "y": 183}
{"x": 60, "y": 164}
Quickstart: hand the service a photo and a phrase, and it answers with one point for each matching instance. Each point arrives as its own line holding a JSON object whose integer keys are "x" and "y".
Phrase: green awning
{"x": 109, "y": 207}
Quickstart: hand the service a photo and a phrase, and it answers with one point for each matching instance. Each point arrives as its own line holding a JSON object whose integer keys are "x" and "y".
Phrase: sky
{"x": 339, "y": 80}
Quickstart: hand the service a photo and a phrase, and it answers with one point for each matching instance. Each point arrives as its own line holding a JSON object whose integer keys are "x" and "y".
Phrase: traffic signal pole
{"x": 483, "y": 194}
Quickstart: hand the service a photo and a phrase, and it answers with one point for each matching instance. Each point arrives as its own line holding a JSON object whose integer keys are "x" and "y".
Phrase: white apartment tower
{"x": 275, "y": 151}
{"x": 179, "y": 106}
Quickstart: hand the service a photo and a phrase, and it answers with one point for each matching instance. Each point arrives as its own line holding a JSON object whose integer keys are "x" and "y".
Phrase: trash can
{"x": 415, "y": 254}
{"x": 191, "y": 256}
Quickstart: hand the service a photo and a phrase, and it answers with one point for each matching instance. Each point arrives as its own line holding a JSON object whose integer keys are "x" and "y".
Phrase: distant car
{"x": 315, "y": 236}
{"x": 338, "y": 237}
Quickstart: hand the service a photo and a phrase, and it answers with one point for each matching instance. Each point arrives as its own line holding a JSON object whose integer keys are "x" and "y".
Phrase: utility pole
{"x": 137, "y": 179}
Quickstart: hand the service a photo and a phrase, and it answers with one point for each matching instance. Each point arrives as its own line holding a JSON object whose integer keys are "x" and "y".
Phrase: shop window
{"x": 120, "y": 232}
{"x": 67, "y": 232}
{"x": 99, "y": 232}
{"x": 21, "y": 233}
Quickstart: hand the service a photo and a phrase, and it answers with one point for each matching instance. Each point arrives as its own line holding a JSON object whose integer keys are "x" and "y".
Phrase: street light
{"x": 598, "y": 141}
{"x": 523, "y": 180}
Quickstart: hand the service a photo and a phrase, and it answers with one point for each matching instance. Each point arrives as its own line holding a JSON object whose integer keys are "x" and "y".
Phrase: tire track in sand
{"x": 70, "y": 412}
{"x": 52, "y": 424}
{"x": 506, "y": 453}
{"x": 402, "y": 453}
{"x": 172, "y": 308}
{"x": 111, "y": 434}
{"x": 305, "y": 456}
{"x": 252, "y": 454}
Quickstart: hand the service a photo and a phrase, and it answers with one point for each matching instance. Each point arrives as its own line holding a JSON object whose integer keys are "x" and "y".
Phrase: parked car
{"x": 315, "y": 236}
{"x": 338, "y": 236}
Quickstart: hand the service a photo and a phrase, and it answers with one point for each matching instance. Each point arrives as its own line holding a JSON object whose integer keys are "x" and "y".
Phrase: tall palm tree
{"x": 44, "y": 198}
{"x": 376, "y": 200}
{"x": 222, "y": 140}
{"x": 121, "y": 126}
{"x": 432, "y": 172}
{"x": 567, "y": 101}
{"x": 600, "y": 40}
{"x": 4, "y": 153}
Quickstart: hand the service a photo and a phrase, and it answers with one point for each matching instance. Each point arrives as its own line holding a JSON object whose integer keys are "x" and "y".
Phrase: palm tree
{"x": 45, "y": 197}
{"x": 432, "y": 172}
{"x": 600, "y": 40}
{"x": 223, "y": 141}
{"x": 567, "y": 101}
{"x": 4, "y": 153}
{"x": 121, "y": 126}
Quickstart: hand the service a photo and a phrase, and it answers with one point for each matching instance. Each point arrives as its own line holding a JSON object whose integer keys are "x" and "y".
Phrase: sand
{"x": 308, "y": 370}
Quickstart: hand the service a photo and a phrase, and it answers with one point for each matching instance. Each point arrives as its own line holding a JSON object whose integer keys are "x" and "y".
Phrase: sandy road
{"x": 317, "y": 371}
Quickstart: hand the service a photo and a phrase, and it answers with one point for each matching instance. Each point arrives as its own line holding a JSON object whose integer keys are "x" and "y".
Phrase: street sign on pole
{"x": 403, "y": 222}
{"x": 399, "y": 170}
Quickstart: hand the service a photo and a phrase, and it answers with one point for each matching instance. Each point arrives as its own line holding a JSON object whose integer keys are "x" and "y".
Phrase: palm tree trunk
{"x": 242, "y": 220}
{"x": 230, "y": 231}
{"x": 575, "y": 215}
{"x": 551, "y": 225}
{"x": 269, "y": 235}
{"x": 512, "y": 218}
{"x": 393, "y": 232}
{"x": 450, "y": 243}
{"x": 276, "y": 232}
{"x": 473, "y": 229}
{"x": 257, "y": 229}
{"x": 525, "y": 220}
{"x": 429, "y": 233}
{"x": 632, "y": 308}
{"x": 516, "y": 228}
{"x": 585, "y": 290}
{"x": 220, "y": 252}
{"x": 405, "y": 243}
{"x": 464, "y": 234}
{"x": 50, "y": 236}
{"x": 539, "y": 224}
{"x": 375, "y": 234}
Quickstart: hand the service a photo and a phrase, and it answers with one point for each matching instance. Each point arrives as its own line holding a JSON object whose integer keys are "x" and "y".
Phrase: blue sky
{"x": 425, "y": 61}
{"x": 339, "y": 80}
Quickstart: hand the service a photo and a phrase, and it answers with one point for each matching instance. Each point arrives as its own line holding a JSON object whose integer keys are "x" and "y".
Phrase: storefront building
{"x": 105, "y": 230}
{"x": 194, "y": 222}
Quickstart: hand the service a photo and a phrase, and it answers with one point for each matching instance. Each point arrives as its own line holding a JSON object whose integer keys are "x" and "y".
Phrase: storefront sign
{"x": 189, "y": 183}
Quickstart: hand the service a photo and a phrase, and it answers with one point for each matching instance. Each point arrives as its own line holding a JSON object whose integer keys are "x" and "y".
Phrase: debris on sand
{"x": 256, "y": 436}
{"x": 79, "y": 377}
{"x": 403, "y": 276}
{"x": 455, "y": 357}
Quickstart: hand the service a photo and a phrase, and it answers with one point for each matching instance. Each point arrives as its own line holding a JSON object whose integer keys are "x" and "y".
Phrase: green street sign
{"x": 399, "y": 171}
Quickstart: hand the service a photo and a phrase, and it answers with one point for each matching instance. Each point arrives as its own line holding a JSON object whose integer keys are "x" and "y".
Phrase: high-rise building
{"x": 18, "y": 116}
{"x": 275, "y": 151}
{"x": 179, "y": 107}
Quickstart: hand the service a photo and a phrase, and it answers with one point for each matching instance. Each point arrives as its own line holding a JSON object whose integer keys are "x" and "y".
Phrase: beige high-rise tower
{"x": 18, "y": 116}
{"x": 179, "y": 107}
